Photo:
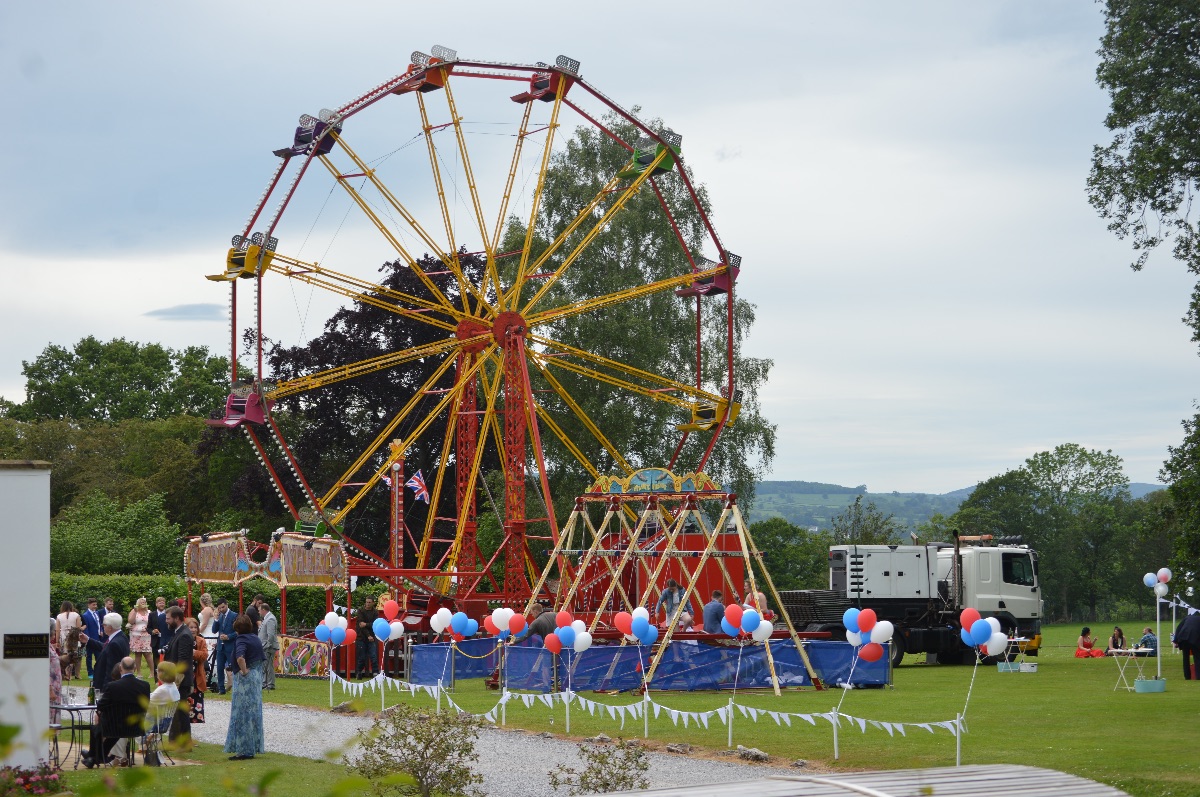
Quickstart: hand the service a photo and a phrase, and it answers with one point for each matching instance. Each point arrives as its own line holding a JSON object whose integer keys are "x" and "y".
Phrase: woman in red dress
{"x": 1085, "y": 647}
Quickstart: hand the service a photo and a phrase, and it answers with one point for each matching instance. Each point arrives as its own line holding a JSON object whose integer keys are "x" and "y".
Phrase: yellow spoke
{"x": 584, "y": 419}
{"x": 365, "y": 207}
{"x": 597, "y": 359}
{"x": 582, "y": 216}
{"x": 316, "y": 275}
{"x": 291, "y": 387}
{"x": 436, "y": 496}
{"x": 519, "y": 283}
{"x": 512, "y": 176}
{"x": 408, "y": 441}
{"x": 618, "y": 297}
{"x": 604, "y": 221}
{"x": 386, "y": 433}
{"x": 447, "y": 219}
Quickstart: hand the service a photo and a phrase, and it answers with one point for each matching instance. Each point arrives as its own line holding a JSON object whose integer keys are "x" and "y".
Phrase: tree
{"x": 99, "y": 535}
{"x": 121, "y": 380}
{"x": 864, "y": 525}
{"x": 409, "y": 751}
{"x": 1071, "y": 473}
{"x": 1145, "y": 179}
{"x": 795, "y": 557}
{"x": 1182, "y": 472}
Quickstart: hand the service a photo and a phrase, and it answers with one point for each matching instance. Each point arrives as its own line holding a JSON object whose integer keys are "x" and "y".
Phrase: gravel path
{"x": 311, "y": 732}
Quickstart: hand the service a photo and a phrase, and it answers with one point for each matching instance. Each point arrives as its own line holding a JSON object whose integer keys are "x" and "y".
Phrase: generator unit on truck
{"x": 922, "y": 589}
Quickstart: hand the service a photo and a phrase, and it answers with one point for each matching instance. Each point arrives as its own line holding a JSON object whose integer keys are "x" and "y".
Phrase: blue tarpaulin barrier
{"x": 475, "y": 658}
{"x": 687, "y": 666}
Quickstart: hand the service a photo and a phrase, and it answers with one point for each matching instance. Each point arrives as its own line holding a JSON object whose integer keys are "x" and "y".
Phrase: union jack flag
{"x": 420, "y": 491}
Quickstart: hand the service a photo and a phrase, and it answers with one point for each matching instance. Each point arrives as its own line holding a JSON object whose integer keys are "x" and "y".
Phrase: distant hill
{"x": 817, "y": 503}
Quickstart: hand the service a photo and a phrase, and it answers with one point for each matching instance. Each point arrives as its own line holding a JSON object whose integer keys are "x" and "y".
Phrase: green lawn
{"x": 1066, "y": 716}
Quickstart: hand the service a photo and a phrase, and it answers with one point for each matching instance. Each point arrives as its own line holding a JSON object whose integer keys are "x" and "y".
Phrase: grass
{"x": 215, "y": 774}
{"x": 1066, "y": 717}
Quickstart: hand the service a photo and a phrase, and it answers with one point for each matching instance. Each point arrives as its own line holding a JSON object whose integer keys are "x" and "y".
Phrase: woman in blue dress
{"x": 245, "y": 736}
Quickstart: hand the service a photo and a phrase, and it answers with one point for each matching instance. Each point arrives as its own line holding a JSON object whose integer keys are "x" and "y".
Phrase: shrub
{"x": 410, "y": 752}
{"x": 607, "y": 767}
{"x": 98, "y": 535}
{"x": 43, "y": 779}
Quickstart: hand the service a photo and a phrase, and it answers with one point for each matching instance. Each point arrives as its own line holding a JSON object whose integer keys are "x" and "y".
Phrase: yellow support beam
{"x": 514, "y": 293}
{"x": 617, "y": 297}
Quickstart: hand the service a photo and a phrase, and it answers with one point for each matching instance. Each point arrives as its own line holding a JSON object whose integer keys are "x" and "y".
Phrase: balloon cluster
{"x": 740, "y": 620}
{"x": 636, "y": 626}
{"x": 503, "y": 622}
{"x": 570, "y": 633}
{"x": 1158, "y": 581}
{"x": 985, "y": 633}
{"x": 335, "y": 628}
{"x": 864, "y": 626}
{"x": 461, "y": 627}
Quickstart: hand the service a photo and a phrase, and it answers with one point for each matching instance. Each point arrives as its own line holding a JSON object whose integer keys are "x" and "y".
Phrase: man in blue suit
{"x": 223, "y": 628}
{"x": 91, "y": 627}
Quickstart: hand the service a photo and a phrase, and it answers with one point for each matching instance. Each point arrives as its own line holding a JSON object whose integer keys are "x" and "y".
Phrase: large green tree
{"x": 1144, "y": 181}
{"x": 100, "y": 535}
{"x": 864, "y": 525}
{"x": 121, "y": 380}
{"x": 795, "y": 557}
{"x": 1182, "y": 472}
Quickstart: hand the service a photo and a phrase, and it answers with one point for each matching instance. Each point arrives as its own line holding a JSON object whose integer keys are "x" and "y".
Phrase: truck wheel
{"x": 897, "y": 650}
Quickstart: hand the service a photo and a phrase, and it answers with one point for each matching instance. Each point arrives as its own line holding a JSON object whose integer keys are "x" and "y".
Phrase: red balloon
{"x": 623, "y": 621}
{"x": 968, "y": 618}
{"x": 517, "y": 623}
{"x": 553, "y": 643}
{"x": 351, "y": 635}
{"x": 390, "y": 610}
{"x": 563, "y": 618}
{"x": 872, "y": 651}
{"x": 866, "y": 621}
{"x": 489, "y": 626}
{"x": 733, "y": 613}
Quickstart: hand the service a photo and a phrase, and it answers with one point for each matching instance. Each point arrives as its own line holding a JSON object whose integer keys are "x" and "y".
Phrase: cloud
{"x": 190, "y": 312}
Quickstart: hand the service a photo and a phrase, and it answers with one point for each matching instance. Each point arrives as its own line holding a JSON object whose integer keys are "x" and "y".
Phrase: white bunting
{"x": 787, "y": 718}
{"x": 490, "y": 716}
{"x": 527, "y": 700}
{"x": 674, "y": 716}
{"x": 721, "y": 715}
{"x": 862, "y": 724}
{"x": 900, "y": 727}
{"x": 686, "y": 715}
{"x": 887, "y": 726}
{"x": 950, "y": 727}
{"x": 775, "y": 716}
{"x": 704, "y": 718}
{"x": 612, "y": 712}
{"x": 621, "y": 711}
{"x": 657, "y": 708}
{"x": 924, "y": 726}
{"x": 807, "y": 718}
{"x": 742, "y": 709}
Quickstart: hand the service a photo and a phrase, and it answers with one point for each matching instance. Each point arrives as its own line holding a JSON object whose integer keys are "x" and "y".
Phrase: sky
{"x": 905, "y": 184}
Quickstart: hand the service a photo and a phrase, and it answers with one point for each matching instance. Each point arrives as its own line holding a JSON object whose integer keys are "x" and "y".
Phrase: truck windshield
{"x": 1018, "y": 569}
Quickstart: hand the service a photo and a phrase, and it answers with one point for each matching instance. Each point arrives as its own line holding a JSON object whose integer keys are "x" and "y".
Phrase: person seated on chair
{"x": 120, "y": 714}
{"x": 1084, "y": 646}
{"x": 164, "y": 699}
{"x": 1149, "y": 643}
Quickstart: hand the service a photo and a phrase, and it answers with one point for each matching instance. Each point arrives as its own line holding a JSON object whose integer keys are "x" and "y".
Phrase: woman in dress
{"x": 67, "y": 619}
{"x": 1085, "y": 645}
{"x": 200, "y": 659}
{"x": 139, "y": 636}
{"x": 245, "y": 736}
{"x": 1117, "y": 640}
{"x": 55, "y": 674}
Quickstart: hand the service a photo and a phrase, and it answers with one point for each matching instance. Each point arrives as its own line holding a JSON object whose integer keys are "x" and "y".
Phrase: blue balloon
{"x": 504, "y": 634}
{"x": 458, "y": 621}
{"x": 850, "y": 620}
{"x": 650, "y": 637}
{"x": 965, "y": 635}
{"x": 728, "y": 628}
{"x": 566, "y": 635}
{"x": 381, "y": 628}
{"x": 750, "y": 620}
{"x": 1150, "y": 579}
{"x": 322, "y": 633}
{"x": 639, "y": 626}
{"x": 981, "y": 632}
{"x": 337, "y": 636}
{"x": 472, "y": 628}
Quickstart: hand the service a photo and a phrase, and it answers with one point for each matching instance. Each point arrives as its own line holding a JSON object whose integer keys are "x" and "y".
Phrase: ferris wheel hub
{"x": 508, "y": 323}
{"x": 472, "y": 328}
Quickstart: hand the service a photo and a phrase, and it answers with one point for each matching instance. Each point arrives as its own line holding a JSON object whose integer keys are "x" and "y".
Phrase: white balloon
{"x": 1161, "y": 589}
{"x": 854, "y": 638}
{"x": 343, "y": 623}
{"x": 331, "y": 620}
{"x": 997, "y": 644}
{"x": 397, "y": 629}
{"x": 583, "y": 641}
{"x": 579, "y": 627}
{"x": 995, "y": 624}
{"x": 1164, "y": 575}
{"x": 506, "y": 614}
{"x": 498, "y": 617}
{"x": 641, "y": 611}
{"x": 882, "y": 632}
{"x": 763, "y": 632}
{"x": 437, "y": 623}
{"x": 445, "y": 614}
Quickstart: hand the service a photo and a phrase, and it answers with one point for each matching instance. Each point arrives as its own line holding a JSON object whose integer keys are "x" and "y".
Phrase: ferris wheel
{"x": 491, "y": 284}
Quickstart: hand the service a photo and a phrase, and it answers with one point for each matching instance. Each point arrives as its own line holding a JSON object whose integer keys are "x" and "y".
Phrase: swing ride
{"x": 497, "y": 382}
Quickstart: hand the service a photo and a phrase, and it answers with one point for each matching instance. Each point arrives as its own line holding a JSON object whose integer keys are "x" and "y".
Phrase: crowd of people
{"x": 184, "y": 656}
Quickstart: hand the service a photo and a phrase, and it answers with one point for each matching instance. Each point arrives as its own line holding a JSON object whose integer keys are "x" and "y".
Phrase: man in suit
{"x": 109, "y": 652}
{"x": 179, "y": 653}
{"x": 223, "y": 627}
{"x": 161, "y": 632}
{"x": 268, "y": 635}
{"x": 1187, "y": 639}
{"x": 91, "y": 627}
{"x": 120, "y": 713}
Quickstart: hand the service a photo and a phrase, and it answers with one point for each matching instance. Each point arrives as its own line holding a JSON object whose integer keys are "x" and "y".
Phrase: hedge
{"x": 306, "y": 605}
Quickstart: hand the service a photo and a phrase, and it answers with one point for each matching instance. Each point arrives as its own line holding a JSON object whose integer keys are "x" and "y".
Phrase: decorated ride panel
{"x": 655, "y": 480}
{"x": 293, "y": 560}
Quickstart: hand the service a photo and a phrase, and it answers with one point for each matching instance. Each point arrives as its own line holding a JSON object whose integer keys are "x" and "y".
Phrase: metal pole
{"x": 439, "y": 696}
{"x": 958, "y": 740}
{"x": 646, "y": 714}
{"x": 834, "y": 716}
{"x": 331, "y": 684}
{"x": 1158, "y": 630}
{"x": 729, "y": 712}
